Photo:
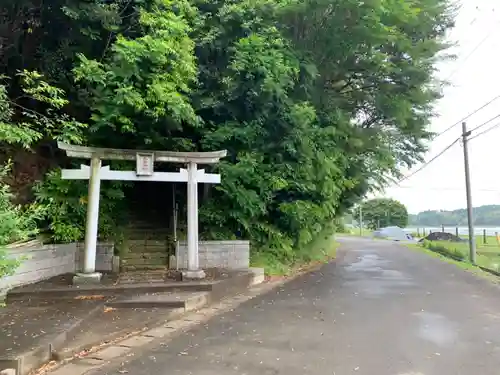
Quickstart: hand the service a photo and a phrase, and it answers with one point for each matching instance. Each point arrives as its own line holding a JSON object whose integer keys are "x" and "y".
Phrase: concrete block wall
{"x": 104, "y": 256}
{"x": 40, "y": 262}
{"x": 218, "y": 254}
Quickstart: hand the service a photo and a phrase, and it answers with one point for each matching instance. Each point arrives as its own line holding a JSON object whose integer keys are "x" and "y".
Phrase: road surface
{"x": 381, "y": 310}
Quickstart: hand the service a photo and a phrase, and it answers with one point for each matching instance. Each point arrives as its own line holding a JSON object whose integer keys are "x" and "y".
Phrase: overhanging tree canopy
{"x": 316, "y": 101}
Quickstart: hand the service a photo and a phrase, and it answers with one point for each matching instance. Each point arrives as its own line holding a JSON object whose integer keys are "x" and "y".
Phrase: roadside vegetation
{"x": 321, "y": 250}
{"x": 488, "y": 253}
{"x": 17, "y": 223}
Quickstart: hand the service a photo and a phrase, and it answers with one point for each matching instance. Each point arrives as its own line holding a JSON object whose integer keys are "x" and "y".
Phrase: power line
{"x": 485, "y": 123}
{"x": 444, "y": 189}
{"x": 485, "y": 131}
{"x": 429, "y": 162}
{"x": 468, "y": 116}
{"x": 452, "y": 144}
{"x": 474, "y": 50}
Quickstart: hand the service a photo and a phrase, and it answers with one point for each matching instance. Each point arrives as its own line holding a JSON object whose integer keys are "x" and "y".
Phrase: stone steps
{"x": 220, "y": 285}
{"x": 153, "y": 276}
{"x": 131, "y": 267}
{"x": 104, "y": 292}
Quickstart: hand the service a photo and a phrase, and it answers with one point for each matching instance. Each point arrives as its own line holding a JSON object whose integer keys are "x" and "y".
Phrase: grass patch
{"x": 487, "y": 255}
{"x": 321, "y": 250}
{"x": 456, "y": 254}
{"x": 449, "y": 249}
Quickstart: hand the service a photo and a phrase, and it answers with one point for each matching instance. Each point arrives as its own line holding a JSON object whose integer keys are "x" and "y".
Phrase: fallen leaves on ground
{"x": 45, "y": 368}
{"x": 91, "y": 297}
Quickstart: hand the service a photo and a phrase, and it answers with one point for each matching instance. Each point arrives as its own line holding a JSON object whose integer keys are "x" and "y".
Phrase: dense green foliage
{"x": 384, "y": 212}
{"x": 24, "y": 127}
{"x": 16, "y": 224}
{"x": 488, "y": 215}
{"x": 316, "y": 101}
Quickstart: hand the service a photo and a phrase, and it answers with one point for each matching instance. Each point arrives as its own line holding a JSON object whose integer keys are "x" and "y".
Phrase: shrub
{"x": 16, "y": 224}
{"x": 64, "y": 205}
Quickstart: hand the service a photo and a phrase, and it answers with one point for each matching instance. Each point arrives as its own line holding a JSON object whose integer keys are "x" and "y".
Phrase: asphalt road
{"x": 381, "y": 310}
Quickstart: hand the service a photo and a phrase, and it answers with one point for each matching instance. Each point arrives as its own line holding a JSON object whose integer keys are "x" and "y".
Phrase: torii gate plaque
{"x": 144, "y": 172}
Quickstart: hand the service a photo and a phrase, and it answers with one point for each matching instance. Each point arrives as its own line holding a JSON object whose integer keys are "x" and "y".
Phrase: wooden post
{"x": 484, "y": 237}
{"x": 456, "y": 231}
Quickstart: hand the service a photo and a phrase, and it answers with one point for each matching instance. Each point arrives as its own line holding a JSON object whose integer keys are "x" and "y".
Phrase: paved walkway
{"x": 381, "y": 310}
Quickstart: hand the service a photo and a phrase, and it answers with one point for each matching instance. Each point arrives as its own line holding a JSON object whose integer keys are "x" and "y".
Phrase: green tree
{"x": 384, "y": 212}
{"x": 316, "y": 101}
{"x": 26, "y": 128}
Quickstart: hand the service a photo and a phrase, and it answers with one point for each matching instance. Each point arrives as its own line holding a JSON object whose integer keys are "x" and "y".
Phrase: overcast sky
{"x": 475, "y": 80}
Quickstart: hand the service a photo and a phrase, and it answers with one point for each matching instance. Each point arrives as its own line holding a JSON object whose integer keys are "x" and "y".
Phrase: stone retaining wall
{"x": 40, "y": 262}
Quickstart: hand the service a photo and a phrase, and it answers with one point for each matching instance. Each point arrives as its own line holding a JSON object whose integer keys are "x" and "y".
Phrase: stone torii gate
{"x": 144, "y": 172}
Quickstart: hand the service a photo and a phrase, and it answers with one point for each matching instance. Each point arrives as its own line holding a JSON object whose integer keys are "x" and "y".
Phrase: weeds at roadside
{"x": 446, "y": 249}
{"x": 321, "y": 250}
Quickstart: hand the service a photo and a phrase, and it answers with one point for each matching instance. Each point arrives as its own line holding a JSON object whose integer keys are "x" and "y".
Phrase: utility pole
{"x": 360, "y": 220}
{"x": 472, "y": 239}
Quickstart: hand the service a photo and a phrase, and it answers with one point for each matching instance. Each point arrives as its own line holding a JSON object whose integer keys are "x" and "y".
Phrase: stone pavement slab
{"x": 111, "y": 324}
{"x": 111, "y": 352}
{"x": 136, "y": 341}
{"x": 67, "y": 327}
{"x": 382, "y": 309}
{"x": 39, "y": 328}
{"x": 25, "y": 327}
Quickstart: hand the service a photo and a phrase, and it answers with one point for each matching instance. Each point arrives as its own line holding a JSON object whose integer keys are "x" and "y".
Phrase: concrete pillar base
{"x": 258, "y": 275}
{"x": 193, "y": 275}
{"x": 87, "y": 278}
